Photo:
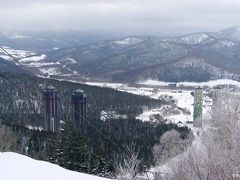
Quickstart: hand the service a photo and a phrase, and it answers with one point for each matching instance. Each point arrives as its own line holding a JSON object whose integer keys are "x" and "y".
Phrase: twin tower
{"x": 78, "y": 100}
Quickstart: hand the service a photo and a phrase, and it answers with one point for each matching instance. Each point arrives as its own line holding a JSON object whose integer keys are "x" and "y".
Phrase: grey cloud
{"x": 130, "y": 16}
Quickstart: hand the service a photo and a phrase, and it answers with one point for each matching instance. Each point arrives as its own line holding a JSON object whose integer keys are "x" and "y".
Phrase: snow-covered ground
{"x": 155, "y": 82}
{"x": 18, "y": 36}
{"x": 151, "y": 82}
{"x": 128, "y": 41}
{"x": 33, "y": 58}
{"x": 28, "y": 58}
{"x": 50, "y": 71}
{"x": 15, "y": 166}
{"x": 40, "y": 61}
{"x": 15, "y": 52}
{"x": 105, "y": 84}
{"x": 193, "y": 84}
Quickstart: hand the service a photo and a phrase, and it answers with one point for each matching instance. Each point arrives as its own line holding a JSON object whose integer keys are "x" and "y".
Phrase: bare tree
{"x": 128, "y": 166}
{"x": 216, "y": 155}
{"x": 170, "y": 145}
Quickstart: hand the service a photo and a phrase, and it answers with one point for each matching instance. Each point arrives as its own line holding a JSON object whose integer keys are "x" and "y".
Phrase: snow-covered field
{"x": 15, "y": 52}
{"x": 18, "y": 36}
{"x": 150, "y": 82}
{"x": 27, "y": 58}
{"x": 15, "y": 166}
{"x": 33, "y": 58}
{"x": 40, "y": 61}
{"x": 103, "y": 84}
{"x": 193, "y": 84}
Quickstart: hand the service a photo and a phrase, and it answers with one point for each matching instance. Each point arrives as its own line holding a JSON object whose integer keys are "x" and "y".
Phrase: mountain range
{"x": 199, "y": 56}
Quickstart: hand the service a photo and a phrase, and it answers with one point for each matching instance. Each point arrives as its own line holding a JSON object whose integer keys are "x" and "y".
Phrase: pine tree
{"x": 69, "y": 149}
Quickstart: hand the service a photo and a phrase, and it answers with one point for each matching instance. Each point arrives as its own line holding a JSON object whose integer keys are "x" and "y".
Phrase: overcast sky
{"x": 126, "y": 16}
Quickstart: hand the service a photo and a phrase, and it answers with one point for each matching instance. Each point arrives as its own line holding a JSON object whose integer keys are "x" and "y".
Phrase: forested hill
{"x": 9, "y": 66}
{"x": 21, "y": 100}
{"x": 21, "y": 103}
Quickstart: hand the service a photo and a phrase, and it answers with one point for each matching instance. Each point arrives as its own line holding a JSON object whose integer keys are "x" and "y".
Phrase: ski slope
{"x": 15, "y": 166}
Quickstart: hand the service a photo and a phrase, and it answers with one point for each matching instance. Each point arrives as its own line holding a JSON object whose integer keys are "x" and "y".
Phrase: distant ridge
{"x": 197, "y": 57}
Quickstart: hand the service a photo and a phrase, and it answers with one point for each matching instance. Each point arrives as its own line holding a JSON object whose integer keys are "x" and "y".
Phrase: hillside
{"x": 29, "y": 169}
{"x": 21, "y": 99}
{"x": 7, "y": 66}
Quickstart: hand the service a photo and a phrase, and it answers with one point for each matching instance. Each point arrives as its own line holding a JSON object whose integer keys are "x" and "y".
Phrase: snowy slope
{"x": 128, "y": 41}
{"x": 197, "y": 38}
{"x": 15, "y": 166}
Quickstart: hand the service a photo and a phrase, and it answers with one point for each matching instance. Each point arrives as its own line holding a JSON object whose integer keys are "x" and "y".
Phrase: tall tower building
{"x": 50, "y": 103}
{"x": 79, "y": 110}
{"x": 198, "y": 107}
